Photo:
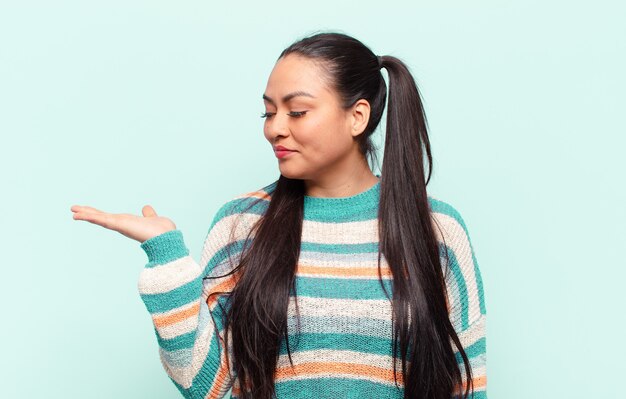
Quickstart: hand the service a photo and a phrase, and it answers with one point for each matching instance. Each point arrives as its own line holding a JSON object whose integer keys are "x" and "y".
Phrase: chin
{"x": 292, "y": 173}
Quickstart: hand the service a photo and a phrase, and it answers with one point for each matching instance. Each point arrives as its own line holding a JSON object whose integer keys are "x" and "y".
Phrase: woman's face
{"x": 303, "y": 114}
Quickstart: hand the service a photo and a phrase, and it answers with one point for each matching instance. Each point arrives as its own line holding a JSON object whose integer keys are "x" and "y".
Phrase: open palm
{"x": 140, "y": 228}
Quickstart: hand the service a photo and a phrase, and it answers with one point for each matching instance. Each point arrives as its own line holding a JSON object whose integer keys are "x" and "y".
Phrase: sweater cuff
{"x": 165, "y": 248}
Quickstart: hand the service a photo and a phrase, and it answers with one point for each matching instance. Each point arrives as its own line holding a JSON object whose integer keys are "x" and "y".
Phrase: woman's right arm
{"x": 171, "y": 287}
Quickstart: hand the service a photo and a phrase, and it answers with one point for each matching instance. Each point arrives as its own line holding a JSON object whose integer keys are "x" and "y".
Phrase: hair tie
{"x": 380, "y": 61}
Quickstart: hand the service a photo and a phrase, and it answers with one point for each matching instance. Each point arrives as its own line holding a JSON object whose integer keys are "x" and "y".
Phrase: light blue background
{"x": 121, "y": 104}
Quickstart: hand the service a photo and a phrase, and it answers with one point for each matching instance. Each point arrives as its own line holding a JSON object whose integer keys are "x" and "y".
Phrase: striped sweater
{"x": 344, "y": 342}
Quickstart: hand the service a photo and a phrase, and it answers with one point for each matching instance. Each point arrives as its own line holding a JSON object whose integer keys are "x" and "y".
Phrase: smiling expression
{"x": 304, "y": 115}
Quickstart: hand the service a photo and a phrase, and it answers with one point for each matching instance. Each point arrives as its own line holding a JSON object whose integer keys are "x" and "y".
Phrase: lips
{"x": 282, "y": 152}
{"x": 281, "y": 148}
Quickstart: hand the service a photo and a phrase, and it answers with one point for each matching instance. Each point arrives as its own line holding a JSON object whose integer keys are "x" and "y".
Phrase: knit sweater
{"x": 344, "y": 342}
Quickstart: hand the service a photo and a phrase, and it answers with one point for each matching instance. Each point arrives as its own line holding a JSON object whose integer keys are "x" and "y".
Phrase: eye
{"x": 297, "y": 114}
{"x": 266, "y": 115}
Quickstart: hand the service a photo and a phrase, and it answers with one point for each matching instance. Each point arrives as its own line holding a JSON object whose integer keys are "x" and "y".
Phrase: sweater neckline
{"x": 343, "y": 208}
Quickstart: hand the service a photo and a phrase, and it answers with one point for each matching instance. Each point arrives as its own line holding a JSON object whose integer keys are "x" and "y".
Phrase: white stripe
{"x": 366, "y": 259}
{"x": 166, "y": 277}
{"x": 371, "y": 308}
{"x": 360, "y": 232}
{"x": 475, "y": 332}
{"x": 175, "y": 310}
{"x": 452, "y": 291}
{"x": 458, "y": 241}
{"x": 185, "y": 375}
{"x": 337, "y": 264}
{"x": 219, "y": 236}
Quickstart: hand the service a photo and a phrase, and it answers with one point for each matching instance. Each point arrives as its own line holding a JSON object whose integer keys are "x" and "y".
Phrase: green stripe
{"x": 476, "y": 395}
{"x": 341, "y": 288}
{"x": 439, "y": 206}
{"x": 356, "y": 215}
{"x": 334, "y": 387}
{"x": 476, "y": 349}
{"x": 253, "y": 205}
{"x": 164, "y": 248}
{"x": 340, "y": 248}
{"x": 166, "y": 301}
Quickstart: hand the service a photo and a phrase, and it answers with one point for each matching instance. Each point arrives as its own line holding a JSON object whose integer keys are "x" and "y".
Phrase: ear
{"x": 360, "y": 116}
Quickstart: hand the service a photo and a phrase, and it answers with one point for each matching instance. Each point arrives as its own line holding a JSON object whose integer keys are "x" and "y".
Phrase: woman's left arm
{"x": 466, "y": 298}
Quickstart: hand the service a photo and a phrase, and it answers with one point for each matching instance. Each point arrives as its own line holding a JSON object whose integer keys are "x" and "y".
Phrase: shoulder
{"x": 253, "y": 202}
{"x": 450, "y": 226}
{"x": 445, "y": 210}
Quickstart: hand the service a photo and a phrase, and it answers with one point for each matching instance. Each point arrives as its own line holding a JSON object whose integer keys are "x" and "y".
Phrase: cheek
{"x": 328, "y": 142}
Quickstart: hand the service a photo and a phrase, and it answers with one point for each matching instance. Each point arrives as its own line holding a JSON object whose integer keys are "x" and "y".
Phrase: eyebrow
{"x": 289, "y": 96}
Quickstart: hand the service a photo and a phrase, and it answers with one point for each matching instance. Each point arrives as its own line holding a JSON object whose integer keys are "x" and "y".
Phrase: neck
{"x": 341, "y": 184}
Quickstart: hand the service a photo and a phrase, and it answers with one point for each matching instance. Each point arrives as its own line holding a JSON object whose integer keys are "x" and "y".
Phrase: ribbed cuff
{"x": 165, "y": 248}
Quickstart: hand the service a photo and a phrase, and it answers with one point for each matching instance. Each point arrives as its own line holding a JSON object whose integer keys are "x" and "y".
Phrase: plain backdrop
{"x": 119, "y": 104}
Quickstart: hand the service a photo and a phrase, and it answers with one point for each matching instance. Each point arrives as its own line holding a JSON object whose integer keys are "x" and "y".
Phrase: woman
{"x": 292, "y": 295}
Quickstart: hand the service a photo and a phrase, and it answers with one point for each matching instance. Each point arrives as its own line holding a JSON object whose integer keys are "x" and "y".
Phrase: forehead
{"x": 296, "y": 73}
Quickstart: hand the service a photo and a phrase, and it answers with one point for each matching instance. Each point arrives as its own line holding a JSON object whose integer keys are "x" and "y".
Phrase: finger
{"x": 102, "y": 219}
{"x": 81, "y": 208}
{"x": 148, "y": 211}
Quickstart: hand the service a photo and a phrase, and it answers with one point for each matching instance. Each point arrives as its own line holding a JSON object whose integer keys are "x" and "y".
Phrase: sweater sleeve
{"x": 188, "y": 328}
{"x": 466, "y": 301}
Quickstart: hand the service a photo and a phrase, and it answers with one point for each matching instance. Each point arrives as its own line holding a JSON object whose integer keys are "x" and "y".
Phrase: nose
{"x": 277, "y": 126}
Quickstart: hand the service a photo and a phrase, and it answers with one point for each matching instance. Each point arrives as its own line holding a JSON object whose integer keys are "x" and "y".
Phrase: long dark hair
{"x": 422, "y": 330}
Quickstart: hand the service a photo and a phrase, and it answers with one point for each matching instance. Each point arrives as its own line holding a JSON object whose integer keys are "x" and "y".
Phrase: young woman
{"x": 331, "y": 281}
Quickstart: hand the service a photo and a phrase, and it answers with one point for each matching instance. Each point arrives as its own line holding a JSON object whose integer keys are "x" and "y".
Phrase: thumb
{"x": 148, "y": 211}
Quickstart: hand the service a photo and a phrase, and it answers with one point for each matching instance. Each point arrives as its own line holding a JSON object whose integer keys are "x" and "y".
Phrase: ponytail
{"x": 408, "y": 241}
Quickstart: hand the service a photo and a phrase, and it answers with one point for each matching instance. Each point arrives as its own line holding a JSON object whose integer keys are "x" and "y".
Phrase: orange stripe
{"x": 348, "y": 271}
{"x": 236, "y": 387}
{"x": 164, "y": 321}
{"x": 224, "y": 286}
{"x": 480, "y": 383}
{"x": 336, "y": 367}
{"x": 167, "y": 320}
